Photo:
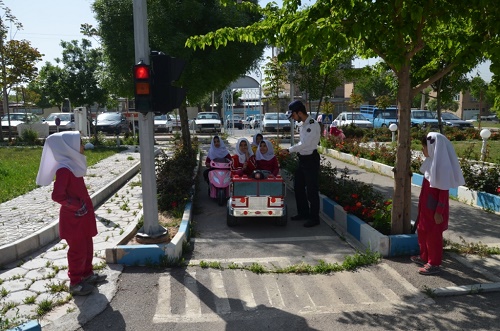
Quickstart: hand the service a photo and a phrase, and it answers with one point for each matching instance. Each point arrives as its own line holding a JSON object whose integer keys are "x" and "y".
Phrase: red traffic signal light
{"x": 141, "y": 71}
{"x": 142, "y": 87}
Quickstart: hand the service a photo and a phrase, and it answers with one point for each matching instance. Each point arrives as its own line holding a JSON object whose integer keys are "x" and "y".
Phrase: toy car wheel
{"x": 282, "y": 220}
{"x": 221, "y": 196}
{"x": 231, "y": 220}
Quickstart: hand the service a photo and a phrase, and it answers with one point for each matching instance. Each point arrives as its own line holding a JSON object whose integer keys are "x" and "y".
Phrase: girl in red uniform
{"x": 256, "y": 142}
{"x": 244, "y": 160}
{"x": 441, "y": 172}
{"x": 63, "y": 157}
{"x": 266, "y": 160}
{"x": 217, "y": 151}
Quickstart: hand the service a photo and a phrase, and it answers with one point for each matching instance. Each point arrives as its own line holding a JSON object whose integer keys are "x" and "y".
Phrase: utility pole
{"x": 151, "y": 232}
{"x": 5, "y": 99}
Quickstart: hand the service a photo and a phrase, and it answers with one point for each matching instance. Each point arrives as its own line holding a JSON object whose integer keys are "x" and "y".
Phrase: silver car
{"x": 352, "y": 118}
{"x": 274, "y": 122}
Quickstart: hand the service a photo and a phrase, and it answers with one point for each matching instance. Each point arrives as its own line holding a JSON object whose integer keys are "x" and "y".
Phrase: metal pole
{"x": 292, "y": 121}
{"x": 151, "y": 228}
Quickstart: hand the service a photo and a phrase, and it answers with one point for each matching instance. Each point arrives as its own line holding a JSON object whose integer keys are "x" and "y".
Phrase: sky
{"x": 47, "y": 22}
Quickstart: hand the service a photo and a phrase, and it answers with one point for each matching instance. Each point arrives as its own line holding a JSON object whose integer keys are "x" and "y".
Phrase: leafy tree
{"x": 451, "y": 106}
{"x": 376, "y": 81}
{"x": 20, "y": 62}
{"x": 315, "y": 82}
{"x": 170, "y": 23}
{"x": 49, "y": 85}
{"x": 356, "y": 100}
{"x": 396, "y": 31}
{"x": 17, "y": 58}
{"x": 275, "y": 78}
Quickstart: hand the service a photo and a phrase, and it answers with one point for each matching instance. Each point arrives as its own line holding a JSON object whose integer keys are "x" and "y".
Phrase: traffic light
{"x": 165, "y": 71}
{"x": 142, "y": 87}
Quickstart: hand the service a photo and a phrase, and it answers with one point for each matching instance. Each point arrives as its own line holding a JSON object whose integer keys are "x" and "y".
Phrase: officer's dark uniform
{"x": 307, "y": 174}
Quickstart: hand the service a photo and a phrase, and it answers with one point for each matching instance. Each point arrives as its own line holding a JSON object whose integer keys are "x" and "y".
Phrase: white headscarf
{"x": 270, "y": 152}
{"x": 217, "y": 153}
{"x": 61, "y": 150}
{"x": 441, "y": 168}
{"x": 241, "y": 156}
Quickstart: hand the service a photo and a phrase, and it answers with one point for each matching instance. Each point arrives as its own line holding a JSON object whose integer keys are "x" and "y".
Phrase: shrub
{"x": 30, "y": 137}
{"x": 174, "y": 178}
{"x": 480, "y": 176}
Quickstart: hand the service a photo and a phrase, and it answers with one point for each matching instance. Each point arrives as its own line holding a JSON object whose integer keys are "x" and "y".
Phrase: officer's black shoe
{"x": 299, "y": 217}
{"x": 311, "y": 223}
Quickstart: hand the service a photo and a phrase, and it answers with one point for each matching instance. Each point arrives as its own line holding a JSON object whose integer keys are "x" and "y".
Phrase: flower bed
{"x": 482, "y": 200}
{"x": 353, "y": 228}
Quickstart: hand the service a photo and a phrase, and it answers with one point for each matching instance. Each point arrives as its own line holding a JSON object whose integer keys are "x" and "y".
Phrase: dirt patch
{"x": 168, "y": 222}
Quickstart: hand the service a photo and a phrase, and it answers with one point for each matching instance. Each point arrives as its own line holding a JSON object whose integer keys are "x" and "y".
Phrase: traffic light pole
{"x": 151, "y": 232}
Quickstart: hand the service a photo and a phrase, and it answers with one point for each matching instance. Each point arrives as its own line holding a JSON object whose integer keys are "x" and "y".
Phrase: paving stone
{"x": 16, "y": 285}
{"x": 8, "y": 274}
{"x": 36, "y": 263}
{"x": 40, "y": 286}
{"x": 39, "y": 273}
{"x": 19, "y": 296}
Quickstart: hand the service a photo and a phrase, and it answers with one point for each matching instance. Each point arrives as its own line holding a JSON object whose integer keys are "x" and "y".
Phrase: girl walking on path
{"x": 62, "y": 157}
{"x": 441, "y": 172}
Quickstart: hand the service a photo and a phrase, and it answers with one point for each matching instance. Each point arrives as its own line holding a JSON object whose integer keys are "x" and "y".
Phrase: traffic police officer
{"x": 307, "y": 174}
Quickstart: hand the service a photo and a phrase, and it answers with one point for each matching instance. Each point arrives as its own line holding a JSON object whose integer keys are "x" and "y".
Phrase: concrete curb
{"x": 25, "y": 246}
{"x": 465, "y": 289}
{"x": 367, "y": 236}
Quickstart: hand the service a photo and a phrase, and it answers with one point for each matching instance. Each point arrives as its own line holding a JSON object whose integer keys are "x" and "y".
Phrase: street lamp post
{"x": 393, "y": 127}
{"x": 485, "y": 134}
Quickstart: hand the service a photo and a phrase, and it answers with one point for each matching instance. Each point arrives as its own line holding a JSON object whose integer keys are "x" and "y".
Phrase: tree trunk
{"x": 186, "y": 134}
{"x": 438, "y": 106}
{"x": 401, "y": 204}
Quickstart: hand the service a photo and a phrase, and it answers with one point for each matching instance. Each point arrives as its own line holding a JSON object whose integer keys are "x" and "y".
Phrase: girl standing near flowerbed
{"x": 441, "y": 172}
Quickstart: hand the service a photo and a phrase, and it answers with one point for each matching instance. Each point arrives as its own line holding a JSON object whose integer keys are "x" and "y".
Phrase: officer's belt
{"x": 307, "y": 156}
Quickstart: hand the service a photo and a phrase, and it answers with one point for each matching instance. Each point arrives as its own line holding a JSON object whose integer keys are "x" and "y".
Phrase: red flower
{"x": 387, "y": 202}
{"x": 174, "y": 204}
{"x": 354, "y": 196}
{"x": 498, "y": 190}
{"x": 358, "y": 204}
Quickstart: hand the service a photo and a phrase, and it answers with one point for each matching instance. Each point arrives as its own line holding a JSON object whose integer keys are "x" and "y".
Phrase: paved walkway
{"x": 41, "y": 278}
{"x": 34, "y": 283}
{"x": 26, "y": 214}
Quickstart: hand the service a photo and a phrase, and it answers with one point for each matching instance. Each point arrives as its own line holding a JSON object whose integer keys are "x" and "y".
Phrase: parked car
{"x": 453, "y": 120}
{"x": 385, "y": 118}
{"x": 423, "y": 118}
{"x": 112, "y": 123}
{"x": 256, "y": 121}
{"x": 176, "y": 121}
{"x": 246, "y": 121}
{"x": 275, "y": 121}
{"x": 163, "y": 123}
{"x": 67, "y": 122}
{"x": 490, "y": 118}
{"x": 16, "y": 119}
{"x": 235, "y": 121}
{"x": 207, "y": 122}
{"x": 351, "y": 118}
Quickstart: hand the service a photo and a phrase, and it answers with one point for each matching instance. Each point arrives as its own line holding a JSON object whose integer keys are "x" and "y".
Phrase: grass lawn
{"x": 19, "y": 167}
{"x": 493, "y": 149}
